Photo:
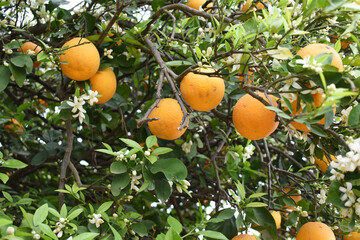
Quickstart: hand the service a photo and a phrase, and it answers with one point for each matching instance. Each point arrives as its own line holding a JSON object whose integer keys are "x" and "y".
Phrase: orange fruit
{"x": 315, "y": 49}
{"x": 318, "y": 99}
{"x": 277, "y": 217}
{"x": 352, "y": 236}
{"x": 252, "y": 120}
{"x": 324, "y": 163}
{"x": 82, "y": 59}
{"x": 202, "y": 92}
{"x": 196, "y": 4}
{"x": 244, "y": 237}
{"x": 315, "y": 231}
{"x": 104, "y": 82}
{"x": 170, "y": 115}
{"x": 33, "y": 47}
{"x": 248, "y": 3}
{"x": 14, "y": 126}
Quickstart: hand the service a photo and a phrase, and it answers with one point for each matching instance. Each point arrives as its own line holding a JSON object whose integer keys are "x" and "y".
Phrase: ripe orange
{"x": 83, "y": 60}
{"x": 244, "y": 237}
{"x": 33, "y": 47}
{"x": 352, "y": 236}
{"x": 277, "y": 217}
{"x": 315, "y": 231}
{"x": 14, "y": 126}
{"x": 252, "y": 120}
{"x": 197, "y": 4}
{"x": 315, "y": 49}
{"x": 248, "y": 3}
{"x": 324, "y": 163}
{"x": 202, "y": 92}
{"x": 104, "y": 82}
{"x": 318, "y": 99}
{"x": 170, "y": 115}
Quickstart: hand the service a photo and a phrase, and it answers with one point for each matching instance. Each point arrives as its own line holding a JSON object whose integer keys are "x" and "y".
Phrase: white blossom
{"x": 135, "y": 181}
{"x": 322, "y": 196}
{"x": 357, "y": 207}
{"x": 311, "y": 63}
{"x": 348, "y": 194}
{"x": 147, "y": 153}
{"x": 336, "y": 175}
{"x": 93, "y": 97}
{"x": 119, "y": 155}
{"x": 248, "y": 151}
{"x": 133, "y": 157}
{"x": 107, "y": 53}
{"x": 10, "y": 231}
{"x": 36, "y": 236}
{"x": 186, "y": 146}
{"x": 97, "y": 220}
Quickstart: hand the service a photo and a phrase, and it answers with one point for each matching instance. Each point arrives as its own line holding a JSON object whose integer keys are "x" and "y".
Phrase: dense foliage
{"x": 72, "y": 169}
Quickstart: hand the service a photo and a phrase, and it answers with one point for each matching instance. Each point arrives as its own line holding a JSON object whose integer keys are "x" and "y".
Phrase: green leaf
{"x": 23, "y": 60}
{"x": 264, "y": 218}
{"x": 118, "y": 167}
{"x": 4, "y": 77}
{"x": 120, "y": 181}
{"x": 156, "y": 4}
{"x": 334, "y": 194}
{"x": 90, "y": 21}
{"x": 172, "y": 235}
{"x": 47, "y": 230}
{"x": 318, "y": 131}
{"x": 354, "y": 116}
{"x": 225, "y": 214}
{"x": 160, "y": 151}
{"x": 63, "y": 210}
{"x": 13, "y": 163}
{"x": 74, "y": 214}
{"x": 256, "y": 204}
{"x": 162, "y": 189}
{"x": 256, "y": 195}
{"x": 8, "y": 196}
{"x": 178, "y": 63}
{"x": 139, "y": 228}
{"x": 175, "y": 224}
{"x": 26, "y": 216}
{"x": 41, "y": 214}
{"x": 4, "y": 178}
{"x": 86, "y": 236}
{"x": 171, "y": 167}
{"x": 151, "y": 141}
{"x": 5, "y": 220}
{"x": 39, "y": 158}
{"x": 18, "y": 73}
{"x": 116, "y": 234}
{"x": 104, "y": 207}
{"x": 212, "y": 234}
{"x": 54, "y": 212}
{"x": 131, "y": 143}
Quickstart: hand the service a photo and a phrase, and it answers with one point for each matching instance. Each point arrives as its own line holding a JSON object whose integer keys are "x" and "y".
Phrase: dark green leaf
{"x": 354, "y": 116}
{"x": 4, "y": 77}
{"x": 18, "y": 73}
{"x": 213, "y": 234}
{"x": 39, "y": 158}
{"x": 118, "y": 167}
{"x": 120, "y": 181}
{"x": 171, "y": 167}
{"x": 334, "y": 194}
{"x": 23, "y": 60}
{"x": 162, "y": 189}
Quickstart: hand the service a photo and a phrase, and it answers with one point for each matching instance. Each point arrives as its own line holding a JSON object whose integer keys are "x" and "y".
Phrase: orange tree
{"x": 85, "y": 87}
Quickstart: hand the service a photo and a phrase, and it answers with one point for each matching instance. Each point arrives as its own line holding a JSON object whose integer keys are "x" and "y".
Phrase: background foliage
{"x": 121, "y": 182}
